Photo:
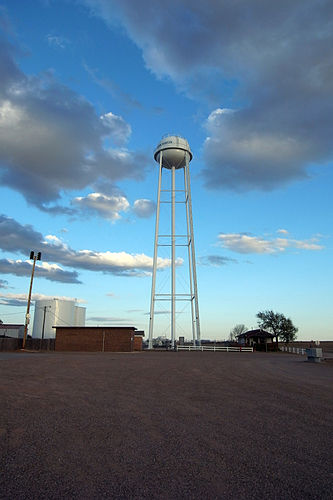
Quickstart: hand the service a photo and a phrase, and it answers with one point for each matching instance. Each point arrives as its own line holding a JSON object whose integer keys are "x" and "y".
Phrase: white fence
{"x": 213, "y": 348}
{"x": 293, "y": 350}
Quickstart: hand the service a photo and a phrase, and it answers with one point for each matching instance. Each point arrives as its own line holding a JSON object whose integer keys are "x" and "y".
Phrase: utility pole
{"x": 27, "y": 316}
{"x": 43, "y": 328}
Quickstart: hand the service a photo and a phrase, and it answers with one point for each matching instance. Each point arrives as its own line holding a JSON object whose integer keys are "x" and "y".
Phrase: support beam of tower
{"x": 173, "y": 154}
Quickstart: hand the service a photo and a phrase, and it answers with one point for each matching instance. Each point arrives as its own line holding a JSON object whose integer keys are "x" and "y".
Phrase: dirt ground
{"x": 186, "y": 425}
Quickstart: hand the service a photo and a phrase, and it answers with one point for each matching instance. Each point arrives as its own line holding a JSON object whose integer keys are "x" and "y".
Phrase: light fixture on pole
{"x": 33, "y": 257}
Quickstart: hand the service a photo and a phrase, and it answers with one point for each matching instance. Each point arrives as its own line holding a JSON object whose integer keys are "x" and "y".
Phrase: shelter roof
{"x": 258, "y": 332}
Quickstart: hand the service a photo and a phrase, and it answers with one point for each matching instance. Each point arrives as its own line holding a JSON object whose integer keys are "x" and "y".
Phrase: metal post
{"x": 27, "y": 316}
{"x": 152, "y": 300}
{"x": 43, "y": 329}
{"x": 173, "y": 257}
{"x": 196, "y": 301}
{"x": 189, "y": 242}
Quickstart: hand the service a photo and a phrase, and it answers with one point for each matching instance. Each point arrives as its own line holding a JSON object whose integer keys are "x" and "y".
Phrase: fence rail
{"x": 213, "y": 348}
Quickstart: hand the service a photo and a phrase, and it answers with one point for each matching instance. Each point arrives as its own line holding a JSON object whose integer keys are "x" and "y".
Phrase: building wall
{"x": 94, "y": 339}
{"x": 137, "y": 343}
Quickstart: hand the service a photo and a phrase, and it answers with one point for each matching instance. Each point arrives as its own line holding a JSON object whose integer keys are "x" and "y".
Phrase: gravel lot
{"x": 165, "y": 425}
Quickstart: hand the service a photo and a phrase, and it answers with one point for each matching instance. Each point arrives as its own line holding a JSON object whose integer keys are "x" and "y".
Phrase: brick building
{"x": 98, "y": 338}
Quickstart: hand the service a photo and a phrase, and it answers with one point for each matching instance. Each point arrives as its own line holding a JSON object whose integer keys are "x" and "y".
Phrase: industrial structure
{"x": 56, "y": 312}
{"x": 173, "y": 154}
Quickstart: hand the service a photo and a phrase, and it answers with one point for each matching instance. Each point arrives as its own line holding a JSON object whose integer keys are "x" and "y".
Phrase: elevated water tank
{"x": 174, "y": 151}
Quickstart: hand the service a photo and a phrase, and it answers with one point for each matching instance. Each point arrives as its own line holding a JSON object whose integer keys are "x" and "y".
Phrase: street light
{"x": 33, "y": 257}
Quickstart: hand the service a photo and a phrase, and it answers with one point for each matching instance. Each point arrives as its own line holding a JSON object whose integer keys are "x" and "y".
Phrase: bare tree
{"x": 237, "y": 330}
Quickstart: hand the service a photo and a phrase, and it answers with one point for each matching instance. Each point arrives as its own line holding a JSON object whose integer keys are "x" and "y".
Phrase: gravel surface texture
{"x": 189, "y": 425}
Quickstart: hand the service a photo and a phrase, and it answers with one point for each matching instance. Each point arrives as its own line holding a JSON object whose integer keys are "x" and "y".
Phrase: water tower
{"x": 173, "y": 154}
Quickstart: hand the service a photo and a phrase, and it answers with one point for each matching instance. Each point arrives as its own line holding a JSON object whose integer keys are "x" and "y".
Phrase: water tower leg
{"x": 173, "y": 257}
{"x": 190, "y": 268}
{"x": 152, "y": 300}
{"x": 196, "y": 301}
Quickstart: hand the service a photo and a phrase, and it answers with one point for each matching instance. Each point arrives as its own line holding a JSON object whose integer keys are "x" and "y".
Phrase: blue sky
{"x": 87, "y": 89}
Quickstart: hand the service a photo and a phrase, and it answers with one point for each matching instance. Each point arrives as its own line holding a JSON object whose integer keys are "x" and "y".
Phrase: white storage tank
{"x": 56, "y": 312}
{"x": 79, "y": 316}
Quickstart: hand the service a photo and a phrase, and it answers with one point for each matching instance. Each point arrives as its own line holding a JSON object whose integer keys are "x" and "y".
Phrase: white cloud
{"x": 120, "y": 131}
{"x": 117, "y": 262}
{"x": 103, "y": 205}
{"x": 244, "y": 243}
{"x": 53, "y": 239}
{"x": 111, "y": 206}
{"x": 144, "y": 208}
{"x": 282, "y": 231}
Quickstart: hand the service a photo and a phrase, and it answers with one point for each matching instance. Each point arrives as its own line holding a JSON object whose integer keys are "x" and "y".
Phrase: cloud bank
{"x": 269, "y": 62}
{"x": 51, "y": 272}
{"x": 61, "y": 144}
{"x": 20, "y": 299}
{"x": 17, "y": 238}
{"x": 244, "y": 243}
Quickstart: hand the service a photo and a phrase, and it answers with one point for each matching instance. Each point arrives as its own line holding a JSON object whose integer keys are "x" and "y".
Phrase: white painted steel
{"x": 173, "y": 153}
{"x": 196, "y": 301}
{"x": 157, "y": 222}
{"x": 173, "y": 256}
{"x": 189, "y": 257}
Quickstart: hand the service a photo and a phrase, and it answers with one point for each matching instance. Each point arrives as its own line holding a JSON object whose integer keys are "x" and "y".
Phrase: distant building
{"x": 12, "y": 331}
{"x": 56, "y": 312}
{"x": 255, "y": 338}
{"x": 138, "y": 340}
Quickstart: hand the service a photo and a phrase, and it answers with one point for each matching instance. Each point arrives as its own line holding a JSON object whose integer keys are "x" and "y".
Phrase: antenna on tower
{"x": 173, "y": 154}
